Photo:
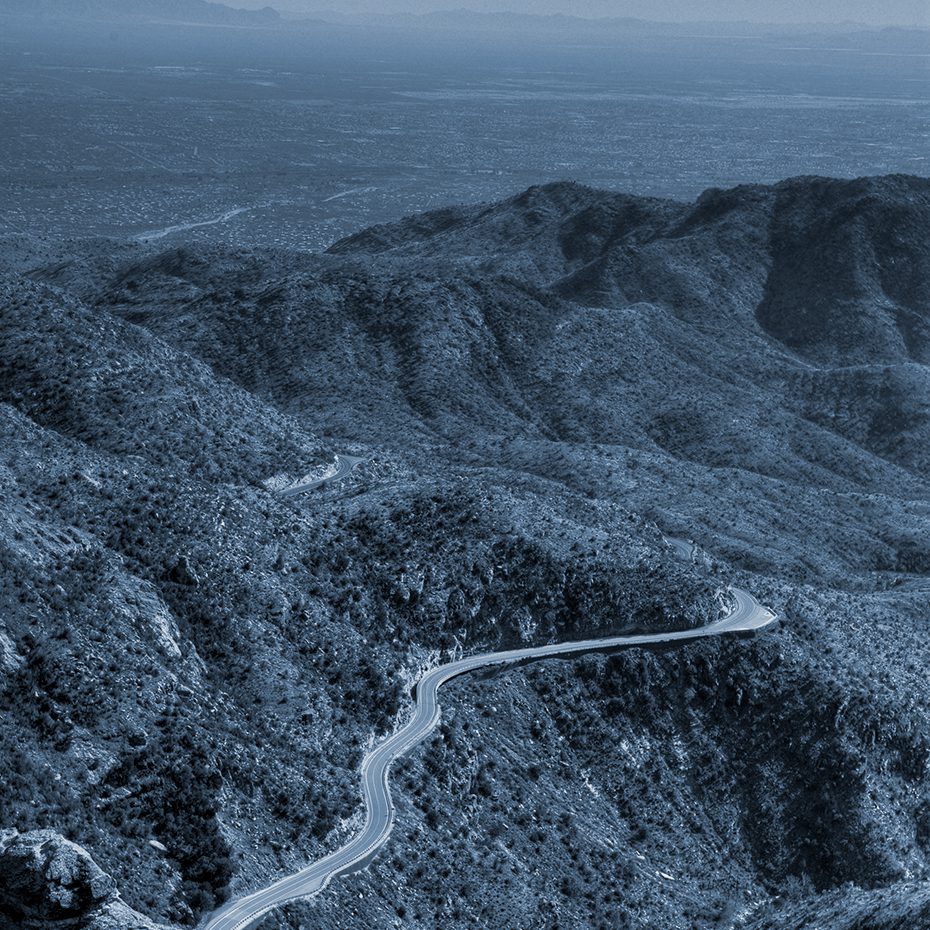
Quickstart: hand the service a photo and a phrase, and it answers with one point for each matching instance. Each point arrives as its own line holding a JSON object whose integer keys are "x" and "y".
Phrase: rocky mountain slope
{"x": 540, "y": 389}
{"x": 569, "y": 332}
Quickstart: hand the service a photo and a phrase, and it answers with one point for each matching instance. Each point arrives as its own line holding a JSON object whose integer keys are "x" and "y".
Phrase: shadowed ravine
{"x": 745, "y": 614}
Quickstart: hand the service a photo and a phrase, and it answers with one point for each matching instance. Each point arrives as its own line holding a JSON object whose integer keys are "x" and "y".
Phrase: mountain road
{"x": 744, "y": 615}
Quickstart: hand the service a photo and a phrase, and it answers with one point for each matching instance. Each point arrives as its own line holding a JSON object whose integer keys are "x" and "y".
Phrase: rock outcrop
{"x": 48, "y": 881}
{"x": 47, "y": 878}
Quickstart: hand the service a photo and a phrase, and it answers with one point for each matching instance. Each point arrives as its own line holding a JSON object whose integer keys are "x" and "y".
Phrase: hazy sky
{"x": 876, "y": 12}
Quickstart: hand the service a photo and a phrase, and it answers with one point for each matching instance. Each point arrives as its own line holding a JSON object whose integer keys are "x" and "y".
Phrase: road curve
{"x": 682, "y": 548}
{"x": 344, "y": 467}
{"x": 745, "y": 614}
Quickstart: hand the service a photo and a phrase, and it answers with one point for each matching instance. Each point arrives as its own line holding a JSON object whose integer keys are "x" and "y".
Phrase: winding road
{"x": 744, "y": 615}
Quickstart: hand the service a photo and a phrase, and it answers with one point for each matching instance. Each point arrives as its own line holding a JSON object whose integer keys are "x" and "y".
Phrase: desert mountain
{"x": 539, "y": 390}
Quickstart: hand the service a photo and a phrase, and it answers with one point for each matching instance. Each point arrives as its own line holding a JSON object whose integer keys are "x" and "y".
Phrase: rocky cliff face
{"x": 540, "y": 390}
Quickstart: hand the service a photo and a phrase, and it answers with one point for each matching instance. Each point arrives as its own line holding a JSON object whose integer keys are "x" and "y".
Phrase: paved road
{"x": 745, "y": 614}
{"x": 344, "y": 466}
{"x": 683, "y": 548}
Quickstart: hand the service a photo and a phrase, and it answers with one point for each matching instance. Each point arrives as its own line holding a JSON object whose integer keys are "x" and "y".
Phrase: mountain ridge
{"x": 542, "y": 391}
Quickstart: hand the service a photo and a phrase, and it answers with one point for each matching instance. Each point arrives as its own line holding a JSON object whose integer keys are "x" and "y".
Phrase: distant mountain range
{"x": 474, "y": 19}
{"x": 816, "y": 12}
{"x": 198, "y": 11}
{"x": 521, "y": 27}
{"x": 469, "y": 22}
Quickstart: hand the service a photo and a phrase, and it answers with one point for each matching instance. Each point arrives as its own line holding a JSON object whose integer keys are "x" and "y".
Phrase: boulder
{"x": 47, "y": 878}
